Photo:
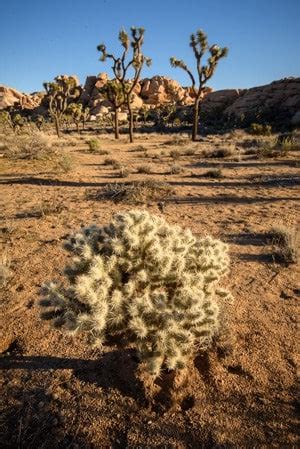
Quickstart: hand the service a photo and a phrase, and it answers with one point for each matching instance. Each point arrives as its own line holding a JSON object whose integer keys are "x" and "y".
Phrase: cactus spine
{"x": 152, "y": 282}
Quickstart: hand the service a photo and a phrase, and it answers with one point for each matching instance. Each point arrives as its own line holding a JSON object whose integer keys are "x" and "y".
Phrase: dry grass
{"x": 133, "y": 192}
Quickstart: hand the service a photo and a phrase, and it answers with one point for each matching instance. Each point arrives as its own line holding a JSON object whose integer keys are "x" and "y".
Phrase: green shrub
{"x": 153, "y": 283}
{"x": 94, "y": 145}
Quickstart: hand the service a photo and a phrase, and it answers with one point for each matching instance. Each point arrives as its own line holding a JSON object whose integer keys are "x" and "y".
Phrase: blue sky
{"x": 41, "y": 39}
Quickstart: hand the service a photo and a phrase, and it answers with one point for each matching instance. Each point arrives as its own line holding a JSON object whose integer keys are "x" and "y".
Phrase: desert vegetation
{"x": 170, "y": 319}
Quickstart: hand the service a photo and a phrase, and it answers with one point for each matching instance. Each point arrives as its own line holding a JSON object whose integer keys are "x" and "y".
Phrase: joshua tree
{"x": 59, "y": 93}
{"x": 113, "y": 92}
{"x": 121, "y": 66}
{"x": 200, "y": 46}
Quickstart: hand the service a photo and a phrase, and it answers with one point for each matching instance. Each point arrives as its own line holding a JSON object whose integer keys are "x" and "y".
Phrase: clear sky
{"x": 40, "y": 39}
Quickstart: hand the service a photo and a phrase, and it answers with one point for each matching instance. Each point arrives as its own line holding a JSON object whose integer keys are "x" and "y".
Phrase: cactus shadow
{"x": 116, "y": 369}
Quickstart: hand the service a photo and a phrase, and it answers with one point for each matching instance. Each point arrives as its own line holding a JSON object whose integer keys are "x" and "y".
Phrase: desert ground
{"x": 56, "y": 392}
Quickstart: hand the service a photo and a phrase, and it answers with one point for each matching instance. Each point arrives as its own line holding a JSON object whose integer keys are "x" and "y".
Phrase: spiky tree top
{"x": 200, "y": 46}
{"x": 121, "y": 65}
{"x": 152, "y": 282}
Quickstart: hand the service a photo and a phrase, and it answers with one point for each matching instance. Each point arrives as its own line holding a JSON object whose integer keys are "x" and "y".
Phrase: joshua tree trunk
{"x": 116, "y": 124}
{"x": 195, "y": 120}
{"x": 57, "y": 127}
{"x": 130, "y": 120}
{"x": 77, "y": 127}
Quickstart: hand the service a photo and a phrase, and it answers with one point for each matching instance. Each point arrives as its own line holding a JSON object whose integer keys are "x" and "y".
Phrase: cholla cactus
{"x": 139, "y": 277}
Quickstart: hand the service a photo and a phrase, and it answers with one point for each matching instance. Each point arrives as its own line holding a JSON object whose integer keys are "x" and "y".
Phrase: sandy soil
{"x": 58, "y": 393}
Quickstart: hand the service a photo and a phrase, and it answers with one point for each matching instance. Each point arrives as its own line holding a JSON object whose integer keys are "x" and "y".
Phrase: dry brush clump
{"x": 144, "y": 169}
{"x": 152, "y": 283}
{"x": 32, "y": 147}
{"x": 38, "y": 147}
{"x": 133, "y": 192}
{"x": 215, "y": 173}
{"x": 176, "y": 169}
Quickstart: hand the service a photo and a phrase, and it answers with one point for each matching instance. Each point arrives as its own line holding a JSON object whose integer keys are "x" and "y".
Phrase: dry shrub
{"x": 175, "y": 154}
{"x": 138, "y": 149}
{"x": 222, "y": 152}
{"x": 32, "y": 147}
{"x": 145, "y": 169}
{"x": 49, "y": 206}
{"x": 111, "y": 161}
{"x": 286, "y": 242}
{"x": 176, "y": 169}
{"x": 64, "y": 163}
{"x": 176, "y": 141}
{"x": 123, "y": 173}
{"x": 189, "y": 152}
{"x": 133, "y": 192}
{"x": 215, "y": 173}
{"x": 38, "y": 147}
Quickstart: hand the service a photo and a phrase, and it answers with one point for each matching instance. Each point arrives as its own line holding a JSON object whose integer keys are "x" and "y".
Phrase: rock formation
{"x": 274, "y": 102}
{"x": 277, "y": 102}
{"x": 11, "y": 97}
